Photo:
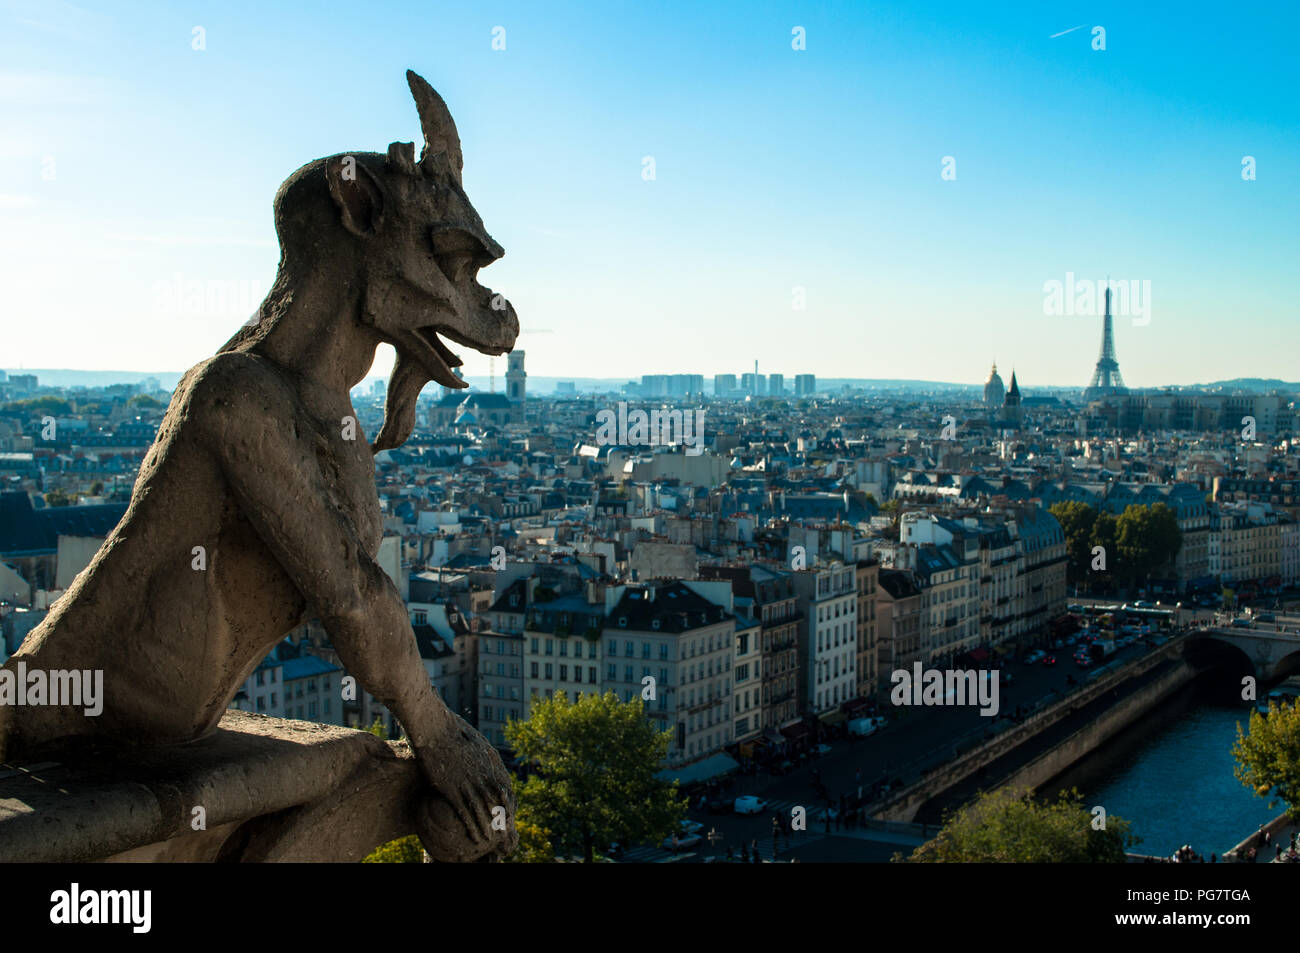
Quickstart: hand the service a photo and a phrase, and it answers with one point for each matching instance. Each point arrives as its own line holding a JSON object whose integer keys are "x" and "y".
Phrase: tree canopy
{"x": 1146, "y": 538}
{"x": 1077, "y": 520}
{"x": 1268, "y": 758}
{"x": 1009, "y": 826}
{"x": 592, "y": 777}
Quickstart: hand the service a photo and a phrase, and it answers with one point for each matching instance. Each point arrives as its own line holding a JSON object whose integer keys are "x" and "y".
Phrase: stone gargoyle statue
{"x": 253, "y": 462}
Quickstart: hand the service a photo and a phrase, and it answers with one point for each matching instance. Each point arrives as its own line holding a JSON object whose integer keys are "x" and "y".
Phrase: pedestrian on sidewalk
{"x": 754, "y": 850}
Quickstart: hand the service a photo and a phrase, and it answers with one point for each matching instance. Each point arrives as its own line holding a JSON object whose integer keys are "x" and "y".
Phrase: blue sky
{"x": 132, "y": 161}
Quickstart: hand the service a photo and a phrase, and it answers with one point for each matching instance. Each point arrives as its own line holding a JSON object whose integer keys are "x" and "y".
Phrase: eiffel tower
{"x": 1106, "y": 379}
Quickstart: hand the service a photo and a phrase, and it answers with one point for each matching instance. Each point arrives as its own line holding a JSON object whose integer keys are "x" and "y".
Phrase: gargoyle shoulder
{"x": 236, "y": 390}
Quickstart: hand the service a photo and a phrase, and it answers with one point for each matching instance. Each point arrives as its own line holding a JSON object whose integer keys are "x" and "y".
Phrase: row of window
{"x": 828, "y": 640}
{"x": 825, "y": 613}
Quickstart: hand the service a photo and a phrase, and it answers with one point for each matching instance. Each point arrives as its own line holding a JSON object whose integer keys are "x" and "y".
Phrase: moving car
{"x": 750, "y": 804}
{"x": 683, "y": 841}
{"x": 1050, "y": 660}
{"x": 822, "y": 750}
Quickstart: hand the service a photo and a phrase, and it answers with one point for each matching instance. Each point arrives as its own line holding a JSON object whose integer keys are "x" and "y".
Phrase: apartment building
{"x": 747, "y": 672}
{"x": 1246, "y": 543}
{"x": 776, "y": 607}
{"x": 828, "y": 599}
{"x": 945, "y": 557}
{"x": 1001, "y": 587}
{"x": 868, "y": 582}
{"x": 901, "y": 613}
{"x": 1041, "y": 548}
{"x": 685, "y": 641}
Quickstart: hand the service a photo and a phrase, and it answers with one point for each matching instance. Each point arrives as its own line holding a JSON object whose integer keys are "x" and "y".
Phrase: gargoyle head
{"x": 403, "y": 234}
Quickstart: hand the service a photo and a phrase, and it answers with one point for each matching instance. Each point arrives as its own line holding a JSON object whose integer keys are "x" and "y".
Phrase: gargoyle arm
{"x": 276, "y": 478}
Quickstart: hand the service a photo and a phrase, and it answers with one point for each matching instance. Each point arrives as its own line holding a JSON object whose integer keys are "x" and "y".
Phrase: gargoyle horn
{"x": 435, "y": 119}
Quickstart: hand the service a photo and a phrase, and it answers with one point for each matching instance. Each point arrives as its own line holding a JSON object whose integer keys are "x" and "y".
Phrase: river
{"x": 1171, "y": 776}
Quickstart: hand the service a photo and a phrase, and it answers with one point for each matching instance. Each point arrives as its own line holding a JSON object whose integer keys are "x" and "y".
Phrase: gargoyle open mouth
{"x": 440, "y": 359}
{"x": 422, "y": 356}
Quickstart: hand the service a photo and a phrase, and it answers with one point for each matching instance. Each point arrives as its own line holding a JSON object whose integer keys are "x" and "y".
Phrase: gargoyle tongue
{"x": 404, "y": 386}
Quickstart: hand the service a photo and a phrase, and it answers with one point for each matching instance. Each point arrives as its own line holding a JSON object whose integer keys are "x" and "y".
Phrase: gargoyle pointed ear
{"x": 439, "y": 130}
{"x": 357, "y": 194}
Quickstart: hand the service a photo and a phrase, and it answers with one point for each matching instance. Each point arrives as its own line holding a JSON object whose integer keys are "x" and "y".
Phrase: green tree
{"x": 59, "y": 498}
{"x": 1167, "y": 537}
{"x": 404, "y": 850}
{"x": 1103, "y": 535}
{"x": 1146, "y": 538}
{"x": 593, "y": 780}
{"x": 1268, "y": 759}
{"x": 144, "y": 401}
{"x": 49, "y": 404}
{"x": 1009, "y": 826}
{"x": 1077, "y": 520}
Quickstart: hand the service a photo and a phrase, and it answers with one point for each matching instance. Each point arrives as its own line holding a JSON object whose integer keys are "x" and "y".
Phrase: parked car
{"x": 822, "y": 750}
{"x": 750, "y": 804}
{"x": 719, "y": 805}
{"x": 782, "y": 767}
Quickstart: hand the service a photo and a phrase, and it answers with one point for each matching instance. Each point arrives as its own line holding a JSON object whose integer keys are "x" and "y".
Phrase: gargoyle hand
{"x": 468, "y": 813}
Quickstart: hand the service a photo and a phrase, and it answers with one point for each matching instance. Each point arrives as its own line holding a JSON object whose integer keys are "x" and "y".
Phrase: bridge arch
{"x": 1210, "y": 651}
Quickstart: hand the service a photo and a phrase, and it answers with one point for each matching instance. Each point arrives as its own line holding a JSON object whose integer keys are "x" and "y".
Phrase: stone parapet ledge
{"x": 269, "y": 789}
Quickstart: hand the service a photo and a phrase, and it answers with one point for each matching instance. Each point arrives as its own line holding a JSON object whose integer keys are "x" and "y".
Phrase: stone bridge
{"x": 1272, "y": 649}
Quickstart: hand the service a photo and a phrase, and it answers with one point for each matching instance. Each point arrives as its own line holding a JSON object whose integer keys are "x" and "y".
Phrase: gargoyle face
{"x": 423, "y": 245}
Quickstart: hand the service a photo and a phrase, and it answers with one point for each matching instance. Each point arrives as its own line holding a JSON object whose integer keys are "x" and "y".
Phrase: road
{"x": 915, "y": 737}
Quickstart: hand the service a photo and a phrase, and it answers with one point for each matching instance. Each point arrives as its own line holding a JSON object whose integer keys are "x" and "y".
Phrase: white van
{"x": 865, "y": 726}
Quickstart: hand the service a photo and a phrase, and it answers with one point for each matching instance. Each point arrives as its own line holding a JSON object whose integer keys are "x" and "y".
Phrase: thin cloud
{"x": 59, "y": 17}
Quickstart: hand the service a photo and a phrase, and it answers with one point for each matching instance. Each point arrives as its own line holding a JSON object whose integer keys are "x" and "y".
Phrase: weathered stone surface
{"x": 256, "y": 507}
{"x": 270, "y": 789}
